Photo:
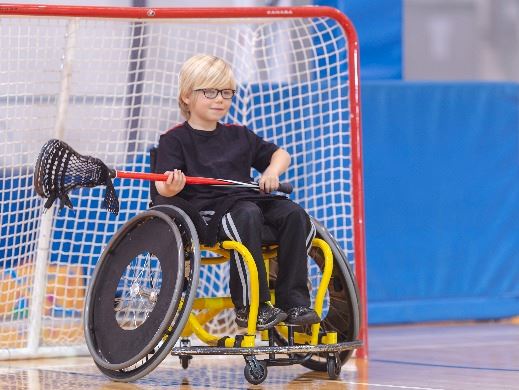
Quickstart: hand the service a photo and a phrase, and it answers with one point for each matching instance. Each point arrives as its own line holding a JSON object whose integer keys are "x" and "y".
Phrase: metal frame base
{"x": 312, "y": 349}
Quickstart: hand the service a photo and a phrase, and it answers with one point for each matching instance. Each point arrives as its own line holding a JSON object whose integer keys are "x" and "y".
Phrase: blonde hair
{"x": 203, "y": 71}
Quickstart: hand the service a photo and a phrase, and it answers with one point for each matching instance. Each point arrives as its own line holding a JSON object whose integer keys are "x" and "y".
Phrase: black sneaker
{"x": 242, "y": 316}
{"x": 268, "y": 316}
{"x": 301, "y": 315}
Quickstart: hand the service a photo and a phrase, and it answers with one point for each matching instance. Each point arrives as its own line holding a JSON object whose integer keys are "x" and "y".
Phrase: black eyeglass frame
{"x": 218, "y": 91}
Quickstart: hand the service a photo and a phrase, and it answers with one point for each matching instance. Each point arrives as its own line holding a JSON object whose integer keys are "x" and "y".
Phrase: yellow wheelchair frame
{"x": 214, "y": 305}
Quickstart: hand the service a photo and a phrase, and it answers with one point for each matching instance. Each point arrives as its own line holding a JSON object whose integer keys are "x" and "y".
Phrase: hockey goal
{"x": 105, "y": 81}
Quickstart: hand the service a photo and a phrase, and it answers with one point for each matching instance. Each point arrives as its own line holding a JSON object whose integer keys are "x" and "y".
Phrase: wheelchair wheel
{"x": 341, "y": 309}
{"x": 255, "y": 371}
{"x": 133, "y": 321}
{"x": 333, "y": 366}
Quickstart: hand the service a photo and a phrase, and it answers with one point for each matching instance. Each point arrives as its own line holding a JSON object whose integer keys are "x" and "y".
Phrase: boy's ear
{"x": 186, "y": 100}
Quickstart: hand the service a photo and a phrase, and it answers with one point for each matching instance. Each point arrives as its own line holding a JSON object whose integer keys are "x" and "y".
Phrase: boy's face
{"x": 205, "y": 110}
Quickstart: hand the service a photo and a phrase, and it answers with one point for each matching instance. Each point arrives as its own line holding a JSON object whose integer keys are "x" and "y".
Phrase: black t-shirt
{"x": 228, "y": 152}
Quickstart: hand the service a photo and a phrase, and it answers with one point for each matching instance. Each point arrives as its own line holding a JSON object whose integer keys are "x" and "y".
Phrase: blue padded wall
{"x": 442, "y": 200}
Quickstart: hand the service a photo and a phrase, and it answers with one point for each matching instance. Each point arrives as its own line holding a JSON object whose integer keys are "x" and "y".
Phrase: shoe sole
{"x": 309, "y": 319}
{"x": 279, "y": 318}
{"x": 241, "y": 324}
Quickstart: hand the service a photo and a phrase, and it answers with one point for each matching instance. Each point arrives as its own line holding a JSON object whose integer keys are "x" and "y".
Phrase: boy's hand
{"x": 175, "y": 183}
{"x": 279, "y": 163}
{"x": 268, "y": 182}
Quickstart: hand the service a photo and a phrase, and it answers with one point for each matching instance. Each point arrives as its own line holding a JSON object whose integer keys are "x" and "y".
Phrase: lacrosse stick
{"x": 59, "y": 169}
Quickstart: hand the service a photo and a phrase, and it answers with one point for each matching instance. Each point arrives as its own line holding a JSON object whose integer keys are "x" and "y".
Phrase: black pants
{"x": 295, "y": 232}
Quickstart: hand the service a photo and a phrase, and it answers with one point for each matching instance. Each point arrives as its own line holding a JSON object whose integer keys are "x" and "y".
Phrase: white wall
{"x": 461, "y": 40}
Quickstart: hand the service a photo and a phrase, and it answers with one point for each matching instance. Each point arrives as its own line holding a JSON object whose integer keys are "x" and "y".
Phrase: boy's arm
{"x": 279, "y": 163}
{"x": 169, "y": 154}
{"x": 175, "y": 183}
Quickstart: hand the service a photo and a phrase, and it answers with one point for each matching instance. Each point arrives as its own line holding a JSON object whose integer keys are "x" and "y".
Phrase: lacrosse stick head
{"x": 59, "y": 169}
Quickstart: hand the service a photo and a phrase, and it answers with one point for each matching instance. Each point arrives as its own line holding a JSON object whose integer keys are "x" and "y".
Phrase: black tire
{"x": 255, "y": 371}
{"x": 343, "y": 311}
{"x": 333, "y": 366}
{"x": 188, "y": 272}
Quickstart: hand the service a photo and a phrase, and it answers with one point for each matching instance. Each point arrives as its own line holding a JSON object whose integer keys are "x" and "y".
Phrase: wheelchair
{"x": 142, "y": 302}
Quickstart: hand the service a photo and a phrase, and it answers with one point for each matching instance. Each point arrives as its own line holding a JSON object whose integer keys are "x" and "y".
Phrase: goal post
{"x": 104, "y": 79}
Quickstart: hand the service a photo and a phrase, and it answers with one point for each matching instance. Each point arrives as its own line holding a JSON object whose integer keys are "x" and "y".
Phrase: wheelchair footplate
{"x": 264, "y": 349}
{"x": 255, "y": 369}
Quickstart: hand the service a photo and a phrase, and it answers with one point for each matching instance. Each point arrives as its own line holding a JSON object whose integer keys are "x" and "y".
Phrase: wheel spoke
{"x": 138, "y": 292}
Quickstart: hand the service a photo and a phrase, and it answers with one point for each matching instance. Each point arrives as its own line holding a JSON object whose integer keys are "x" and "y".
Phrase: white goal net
{"x": 106, "y": 84}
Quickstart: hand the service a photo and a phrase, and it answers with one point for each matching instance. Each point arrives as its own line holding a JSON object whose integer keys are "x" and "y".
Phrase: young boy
{"x": 202, "y": 146}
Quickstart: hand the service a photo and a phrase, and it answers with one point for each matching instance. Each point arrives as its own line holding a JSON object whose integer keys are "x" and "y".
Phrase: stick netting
{"x": 108, "y": 87}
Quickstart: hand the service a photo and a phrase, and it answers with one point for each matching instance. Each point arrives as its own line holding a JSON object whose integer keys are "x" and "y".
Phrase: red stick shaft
{"x": 161, "y": 177}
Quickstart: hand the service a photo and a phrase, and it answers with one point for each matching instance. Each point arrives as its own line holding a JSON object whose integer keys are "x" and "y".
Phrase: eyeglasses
{"x": 212, "y": 93}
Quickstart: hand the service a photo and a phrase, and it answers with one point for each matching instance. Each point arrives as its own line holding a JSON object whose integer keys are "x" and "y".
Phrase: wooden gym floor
{"x": 453, "y": 356}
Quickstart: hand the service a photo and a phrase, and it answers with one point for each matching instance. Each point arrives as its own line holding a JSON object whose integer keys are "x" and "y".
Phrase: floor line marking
{"x": 438, "y": 346}
{"x": 444, "y": 365}
{"x": 392, "y": 386}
